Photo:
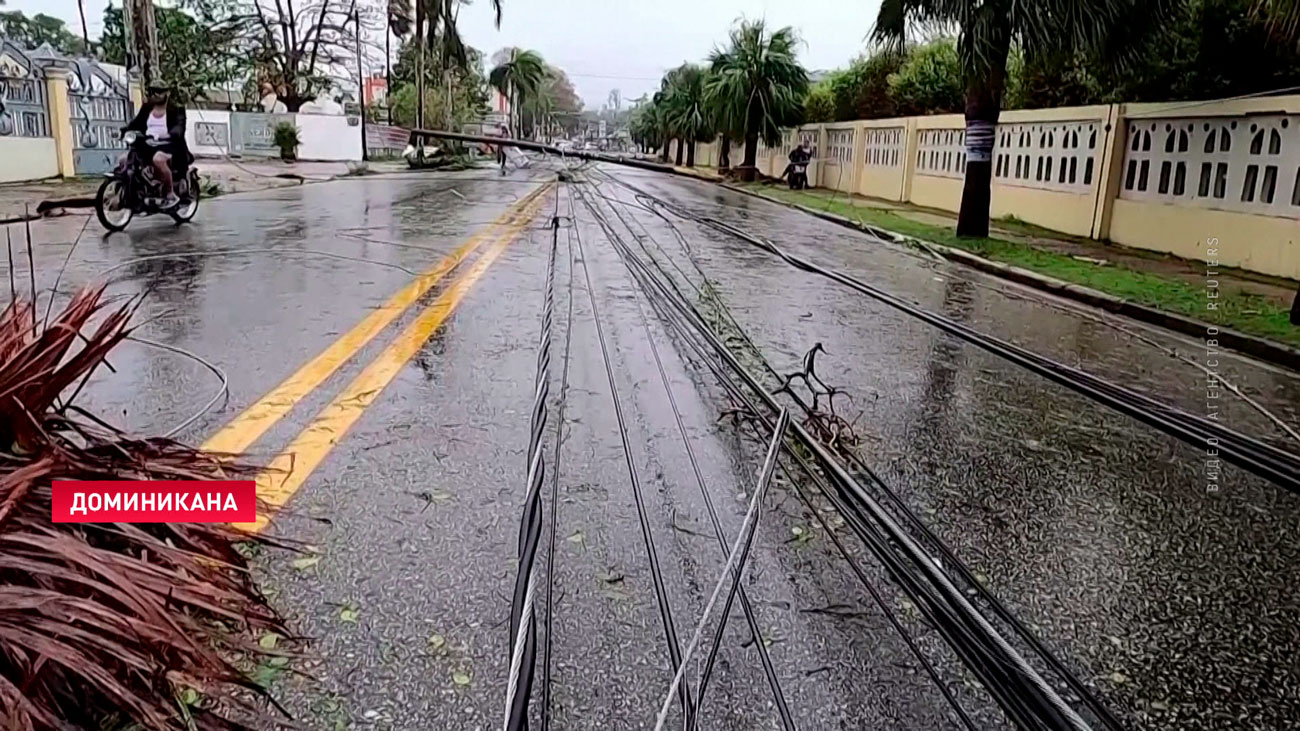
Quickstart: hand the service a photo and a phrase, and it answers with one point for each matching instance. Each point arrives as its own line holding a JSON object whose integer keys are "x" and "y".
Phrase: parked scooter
{"x": 798, "y": 175}
{"x": 134, "y": 187}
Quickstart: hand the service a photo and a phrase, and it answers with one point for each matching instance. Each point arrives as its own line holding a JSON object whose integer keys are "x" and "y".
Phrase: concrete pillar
{"x": 56, "y": 93}
{"x": 911, "y": 138}
{"x": 821, "y": 153}
{"x": 1110, "y": 172}
{"x": 859, "y": 161}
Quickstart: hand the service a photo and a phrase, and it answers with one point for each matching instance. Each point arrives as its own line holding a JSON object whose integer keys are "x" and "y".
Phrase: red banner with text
{"x": 163, "y": 501}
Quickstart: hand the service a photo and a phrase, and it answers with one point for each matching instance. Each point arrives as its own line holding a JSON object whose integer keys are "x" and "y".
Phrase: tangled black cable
{"x": 740, "y": 397}
{"x": 661, "y": 596}
{"x": 1023, "y": 694}
{"x": 555, "y": 476}
{"x": 774, "y": 683}
{"x": 935, "y": 544}
{"x": 689, "y": 334}
{"x": 1255, "y": 456}
{"x": 523, "y": 621}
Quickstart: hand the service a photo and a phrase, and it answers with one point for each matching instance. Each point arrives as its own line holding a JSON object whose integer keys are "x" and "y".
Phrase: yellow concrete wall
{"x": 1221, "y": 108}
{"x": 1058, "y": 114}
{"x": 706, "y": 154}
{"x": 881, "y": 182}
{"x": 1266, "y": 244}
{"x": 1057, "y": 210}
{"x": 837, "y": 177}
{"x": 1054, "y": 209}
{"x": 1071, "y": 213}
{"x": 934, "y": 191}
{"x": 1256, "y": 242}
{"x": 1068, "y": 212}
{"x": 839, "y": 174}
{"x": 28, "y": 158}
{"x": 877, "y": 181}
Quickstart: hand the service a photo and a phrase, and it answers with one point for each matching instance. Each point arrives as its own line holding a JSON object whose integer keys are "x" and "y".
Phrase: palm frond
{"x": 1114, "y": 30}
{"x": 103, "y": 619}
{"x": 1283, "y": 17}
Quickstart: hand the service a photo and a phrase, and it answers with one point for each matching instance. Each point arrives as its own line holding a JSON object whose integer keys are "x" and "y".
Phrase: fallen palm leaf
{"x": 142, "y": 622}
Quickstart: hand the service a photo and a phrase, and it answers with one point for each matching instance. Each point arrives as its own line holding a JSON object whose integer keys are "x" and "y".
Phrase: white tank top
{"x": 156, "y": 127}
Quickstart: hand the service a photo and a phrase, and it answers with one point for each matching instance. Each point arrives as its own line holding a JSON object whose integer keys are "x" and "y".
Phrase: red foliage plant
{"x": 145, "y": 622}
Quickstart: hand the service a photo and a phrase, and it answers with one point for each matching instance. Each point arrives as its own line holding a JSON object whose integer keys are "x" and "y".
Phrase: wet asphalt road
{"x": 1177, "y": 602}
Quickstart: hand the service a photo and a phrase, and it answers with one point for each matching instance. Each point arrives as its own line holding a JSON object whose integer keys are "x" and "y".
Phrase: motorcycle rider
{"x": 164, "y": 121}
{"x": 798, "y": 156}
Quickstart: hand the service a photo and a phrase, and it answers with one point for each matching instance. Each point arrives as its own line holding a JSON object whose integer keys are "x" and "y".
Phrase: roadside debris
{"x": 146, "y": 622}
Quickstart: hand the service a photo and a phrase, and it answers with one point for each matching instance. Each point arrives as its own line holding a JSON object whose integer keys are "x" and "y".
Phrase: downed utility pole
{"x": 421, "y": 136}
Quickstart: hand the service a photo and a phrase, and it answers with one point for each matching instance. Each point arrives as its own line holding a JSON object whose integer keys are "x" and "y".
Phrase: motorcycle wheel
{"x": 109, "y": 205}
{"x": 190, "y": 206}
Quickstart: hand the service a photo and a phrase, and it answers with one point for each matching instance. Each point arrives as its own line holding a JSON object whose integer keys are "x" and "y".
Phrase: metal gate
{"x": 100, "y": 107}
{"x": 23, "y": 110}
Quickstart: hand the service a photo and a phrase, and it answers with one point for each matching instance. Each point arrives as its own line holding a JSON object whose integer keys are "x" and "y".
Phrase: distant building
{"x": 498, "y": 108}
{"x": 376, "y": 90}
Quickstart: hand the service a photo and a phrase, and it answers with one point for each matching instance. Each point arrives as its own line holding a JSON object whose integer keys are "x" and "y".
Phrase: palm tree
{"x": 440, "y": 29}
{"x": 646, "y": 127}
{"x": 689, "y": 114}
{"x": 435, "y": 23}
{"x": 537, "y": 108}
{"x": 728, "y": 121}
{"x": 1112, "y": 29}
{"x": 759, "y": 85}
{"x": 659, "y": 116}
{"x": 662, "y": 99}
{"x": 518, "y": 75}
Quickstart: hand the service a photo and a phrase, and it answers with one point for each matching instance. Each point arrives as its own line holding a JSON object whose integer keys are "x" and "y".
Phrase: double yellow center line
{"x": 291, "y": 467}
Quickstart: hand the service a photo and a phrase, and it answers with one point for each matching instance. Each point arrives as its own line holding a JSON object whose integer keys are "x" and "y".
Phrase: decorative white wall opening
{"x": 941, "y": 152}
{"x": 883, "y": 146}
{"x": 1051, "y": 155}
{"x": 1248, "y": 164}
{"x": 839, "y": 145}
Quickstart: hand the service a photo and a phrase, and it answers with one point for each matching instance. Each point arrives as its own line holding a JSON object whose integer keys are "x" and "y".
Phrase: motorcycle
{"x": 798, "y": 175}
{"x": 134, "y": 188}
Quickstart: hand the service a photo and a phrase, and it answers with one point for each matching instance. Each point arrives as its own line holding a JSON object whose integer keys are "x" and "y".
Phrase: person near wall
{"x": 164, "y": 122}
{"x": 270, "y": 102}
{"x": 798, "y": 155}
{"x": 503, "y": 133}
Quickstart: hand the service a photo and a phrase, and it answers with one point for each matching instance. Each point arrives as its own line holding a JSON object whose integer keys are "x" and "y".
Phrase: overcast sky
{"x": 623, "y": 44}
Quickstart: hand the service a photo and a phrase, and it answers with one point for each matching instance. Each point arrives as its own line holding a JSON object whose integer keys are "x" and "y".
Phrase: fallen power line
{"x": 1026, "y": 698}
{"x": 1253, "y": 455}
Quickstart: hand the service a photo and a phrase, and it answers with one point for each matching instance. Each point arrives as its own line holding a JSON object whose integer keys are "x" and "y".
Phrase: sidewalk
{"x": 219, "y": 176}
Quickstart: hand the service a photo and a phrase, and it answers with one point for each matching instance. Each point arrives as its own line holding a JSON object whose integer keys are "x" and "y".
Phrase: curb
{"x": 1255, "y": 346}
